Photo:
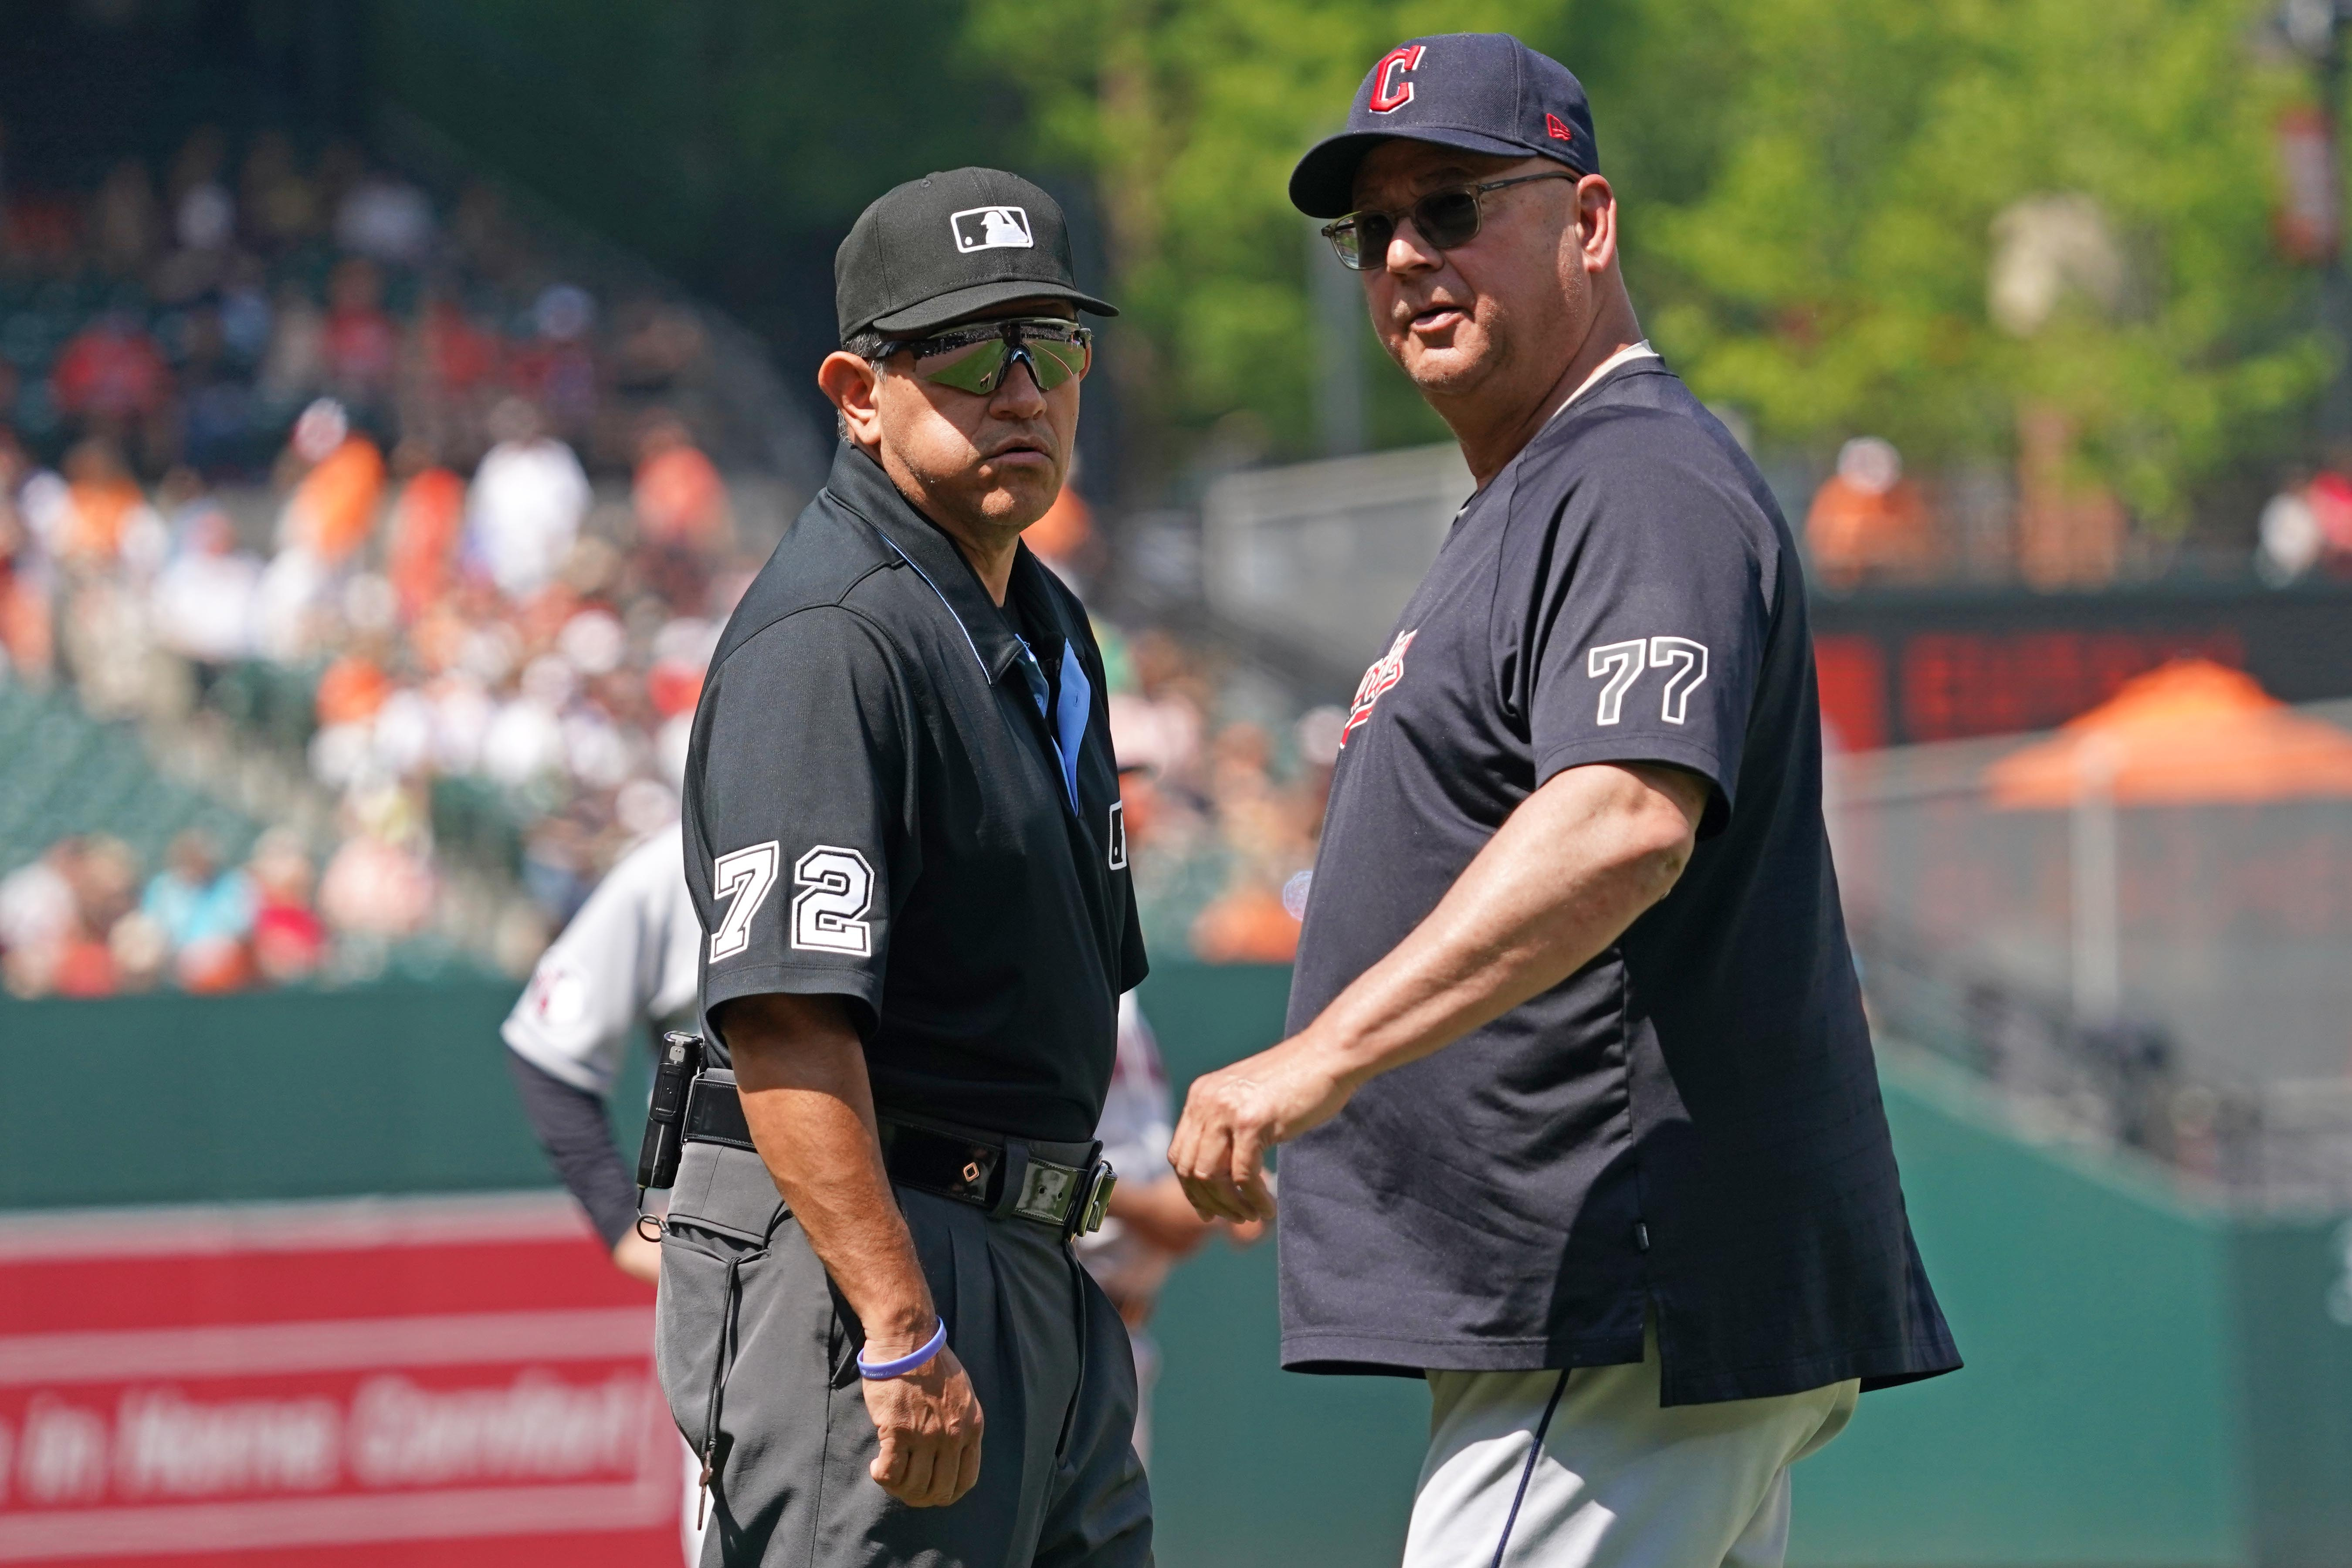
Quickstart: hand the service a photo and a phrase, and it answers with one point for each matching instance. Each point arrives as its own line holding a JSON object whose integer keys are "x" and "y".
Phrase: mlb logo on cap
{"x": 1006, "y": 241}
{"x": 990, "y": 229}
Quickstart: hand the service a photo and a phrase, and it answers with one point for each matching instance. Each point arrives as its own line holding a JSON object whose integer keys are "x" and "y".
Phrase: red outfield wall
{"x": 354, "y": 1384}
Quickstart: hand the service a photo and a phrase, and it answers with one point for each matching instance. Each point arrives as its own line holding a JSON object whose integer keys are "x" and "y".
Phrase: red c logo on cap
{"x": 1390, "y": 91}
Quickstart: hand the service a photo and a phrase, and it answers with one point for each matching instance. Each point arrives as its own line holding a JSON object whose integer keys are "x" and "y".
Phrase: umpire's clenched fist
{"x": 929, "y": 1424}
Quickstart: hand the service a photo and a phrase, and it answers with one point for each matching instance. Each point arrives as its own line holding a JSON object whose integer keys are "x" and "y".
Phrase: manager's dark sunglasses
{"x": 1445, "y": 218}
{"x": 975, "y": 358}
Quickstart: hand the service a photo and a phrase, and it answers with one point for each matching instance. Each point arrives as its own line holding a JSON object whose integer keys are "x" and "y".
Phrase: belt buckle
{"x": 1087, "y": 1217}
{"x": 1046, "y": 1192}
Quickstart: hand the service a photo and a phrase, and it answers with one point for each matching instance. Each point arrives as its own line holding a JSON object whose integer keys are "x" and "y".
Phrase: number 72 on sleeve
{"x": 834, "y": 894}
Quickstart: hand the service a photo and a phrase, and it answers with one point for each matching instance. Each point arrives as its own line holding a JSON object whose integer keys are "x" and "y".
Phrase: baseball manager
{"x": 1588, "y": 1130}
{"x": 903, "y": 835}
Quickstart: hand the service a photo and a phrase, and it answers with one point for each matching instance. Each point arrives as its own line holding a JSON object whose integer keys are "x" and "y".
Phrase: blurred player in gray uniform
{"x": 626, "y": 966}
{"x": 1152, "y": 1225}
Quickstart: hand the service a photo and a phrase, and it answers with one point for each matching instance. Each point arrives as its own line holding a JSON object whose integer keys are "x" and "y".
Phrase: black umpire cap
{"x": 1483, "y": 92}
{"x": 936, "y": 249}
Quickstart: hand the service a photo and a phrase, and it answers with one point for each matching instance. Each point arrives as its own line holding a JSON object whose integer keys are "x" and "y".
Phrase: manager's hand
{"x": 1233, "y": 1115}
{"x": 929, "y": 1424}
{"x": 638, "y": 1258}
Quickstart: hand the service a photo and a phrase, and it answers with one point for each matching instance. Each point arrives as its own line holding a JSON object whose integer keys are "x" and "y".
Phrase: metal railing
{"x": 2282, "y": 1144}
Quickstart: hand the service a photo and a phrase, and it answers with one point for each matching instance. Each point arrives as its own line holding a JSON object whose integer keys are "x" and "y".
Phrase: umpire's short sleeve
{"x": 803, "y": 811}
{"x": 1647, "y": 631}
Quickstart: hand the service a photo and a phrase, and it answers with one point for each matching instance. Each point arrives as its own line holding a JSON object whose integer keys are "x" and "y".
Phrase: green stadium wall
{"x": 2151, "y": 1381}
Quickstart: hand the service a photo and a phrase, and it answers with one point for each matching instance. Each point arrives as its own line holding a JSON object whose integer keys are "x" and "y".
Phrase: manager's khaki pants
{"x": 1620, "y": 1482}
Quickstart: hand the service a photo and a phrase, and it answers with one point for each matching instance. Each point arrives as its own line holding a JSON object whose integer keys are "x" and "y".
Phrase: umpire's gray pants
{"x": 757, "y": 1354}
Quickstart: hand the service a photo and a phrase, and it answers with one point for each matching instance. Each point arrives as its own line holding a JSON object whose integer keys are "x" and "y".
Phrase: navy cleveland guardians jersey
{"x": 1690, "y": 1125}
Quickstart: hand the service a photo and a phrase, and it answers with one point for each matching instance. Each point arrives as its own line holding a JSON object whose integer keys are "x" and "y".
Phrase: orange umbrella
{"x": 2191, "y": 732}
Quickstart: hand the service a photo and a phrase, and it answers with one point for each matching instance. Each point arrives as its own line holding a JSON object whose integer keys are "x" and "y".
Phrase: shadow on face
{"x": 1510, "y": 304}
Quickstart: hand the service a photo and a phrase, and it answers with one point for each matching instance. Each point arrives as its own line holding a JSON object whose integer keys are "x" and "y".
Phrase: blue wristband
{"x": 878, "y": 1370}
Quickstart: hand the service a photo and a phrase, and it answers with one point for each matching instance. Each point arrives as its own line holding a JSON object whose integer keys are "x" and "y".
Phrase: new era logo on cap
{"x": 990, "y": 229}
{"x": 1557, "y": 129}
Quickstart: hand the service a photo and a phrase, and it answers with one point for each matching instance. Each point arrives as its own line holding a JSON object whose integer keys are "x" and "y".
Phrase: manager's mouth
{"x": 1017, "y": 449}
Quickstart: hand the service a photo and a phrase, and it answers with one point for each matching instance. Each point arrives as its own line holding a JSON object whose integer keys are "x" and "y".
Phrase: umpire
{"x": 903, "y": 836}
{"x": 1588, "y": 1132}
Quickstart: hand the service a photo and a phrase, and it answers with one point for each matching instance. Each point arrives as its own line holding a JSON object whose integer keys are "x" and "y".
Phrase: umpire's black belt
{"x": 1065, "y": 1185}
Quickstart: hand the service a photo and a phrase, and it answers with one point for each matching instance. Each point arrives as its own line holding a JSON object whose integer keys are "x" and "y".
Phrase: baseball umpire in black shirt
{"x": 903, "y": 836}
{"x": 1588, "y": 1130}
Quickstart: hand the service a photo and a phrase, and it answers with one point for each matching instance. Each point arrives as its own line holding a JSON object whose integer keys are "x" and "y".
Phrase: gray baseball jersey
{"x": 628, "y": 958}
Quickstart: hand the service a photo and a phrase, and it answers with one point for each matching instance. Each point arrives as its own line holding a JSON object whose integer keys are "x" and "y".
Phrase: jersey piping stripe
{"x": 950, "y": 609}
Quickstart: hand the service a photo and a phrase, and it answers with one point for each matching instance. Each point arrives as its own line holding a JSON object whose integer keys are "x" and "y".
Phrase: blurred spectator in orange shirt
{"x": 105, "y": 513}
{"x": 25, "y": 627}
{"x": 352, "y": 691}
{"x": 1060, "y": 537}
{"x": 683, "y": 519}
{"x": 332, "y": 509}
{"x": 426, "y": 521}
{"x": 1246, "y": 924}
{"x": 1868, "y": 521}
{"x": 679, "y": 496}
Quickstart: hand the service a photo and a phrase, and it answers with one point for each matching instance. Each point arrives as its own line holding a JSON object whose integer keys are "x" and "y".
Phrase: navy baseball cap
{"x": 1483, "y": 92}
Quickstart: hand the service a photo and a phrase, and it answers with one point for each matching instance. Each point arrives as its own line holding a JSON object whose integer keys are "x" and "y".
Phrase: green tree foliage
{"x": 1831, "y": 275}
{"x": 1810, "y": 186}
{"x": 728, "y": 141}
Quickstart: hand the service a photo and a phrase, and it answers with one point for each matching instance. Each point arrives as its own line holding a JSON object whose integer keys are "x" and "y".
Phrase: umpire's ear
{"x": 848, "y": 383}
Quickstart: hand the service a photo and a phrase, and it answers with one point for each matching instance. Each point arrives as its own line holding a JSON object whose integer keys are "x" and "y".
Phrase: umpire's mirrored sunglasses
{"x": 975, "y": 358}
{"x": 1444, "y": 218}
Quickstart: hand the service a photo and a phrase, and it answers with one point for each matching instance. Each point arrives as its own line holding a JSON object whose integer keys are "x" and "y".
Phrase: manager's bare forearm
{"x": 1576, "y": 864}
{"x": 801, "y": 1071}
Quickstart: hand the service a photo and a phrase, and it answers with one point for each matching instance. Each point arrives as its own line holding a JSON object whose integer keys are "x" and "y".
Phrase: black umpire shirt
{"x": 1690, "y": 1125}
{"x": 895, "y": 798}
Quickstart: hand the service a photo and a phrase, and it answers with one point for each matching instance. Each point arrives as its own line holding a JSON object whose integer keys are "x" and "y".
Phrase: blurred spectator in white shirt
{"x": 37, "y": 916}
{"x": 385, "y": 219}
{"x": 528, "y": 498}
{"x": 205, "y": 598}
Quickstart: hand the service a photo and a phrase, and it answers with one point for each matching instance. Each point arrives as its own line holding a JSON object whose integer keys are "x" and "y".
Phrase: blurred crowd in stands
{"x": 1871, "y": 524}
{"x": 1222, "y": 821}
{"x": 79, "y": 921}
{"x": 425, "y": 592}
{"x": 2306, "y": 528}
{"x": 291, "y": 457}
